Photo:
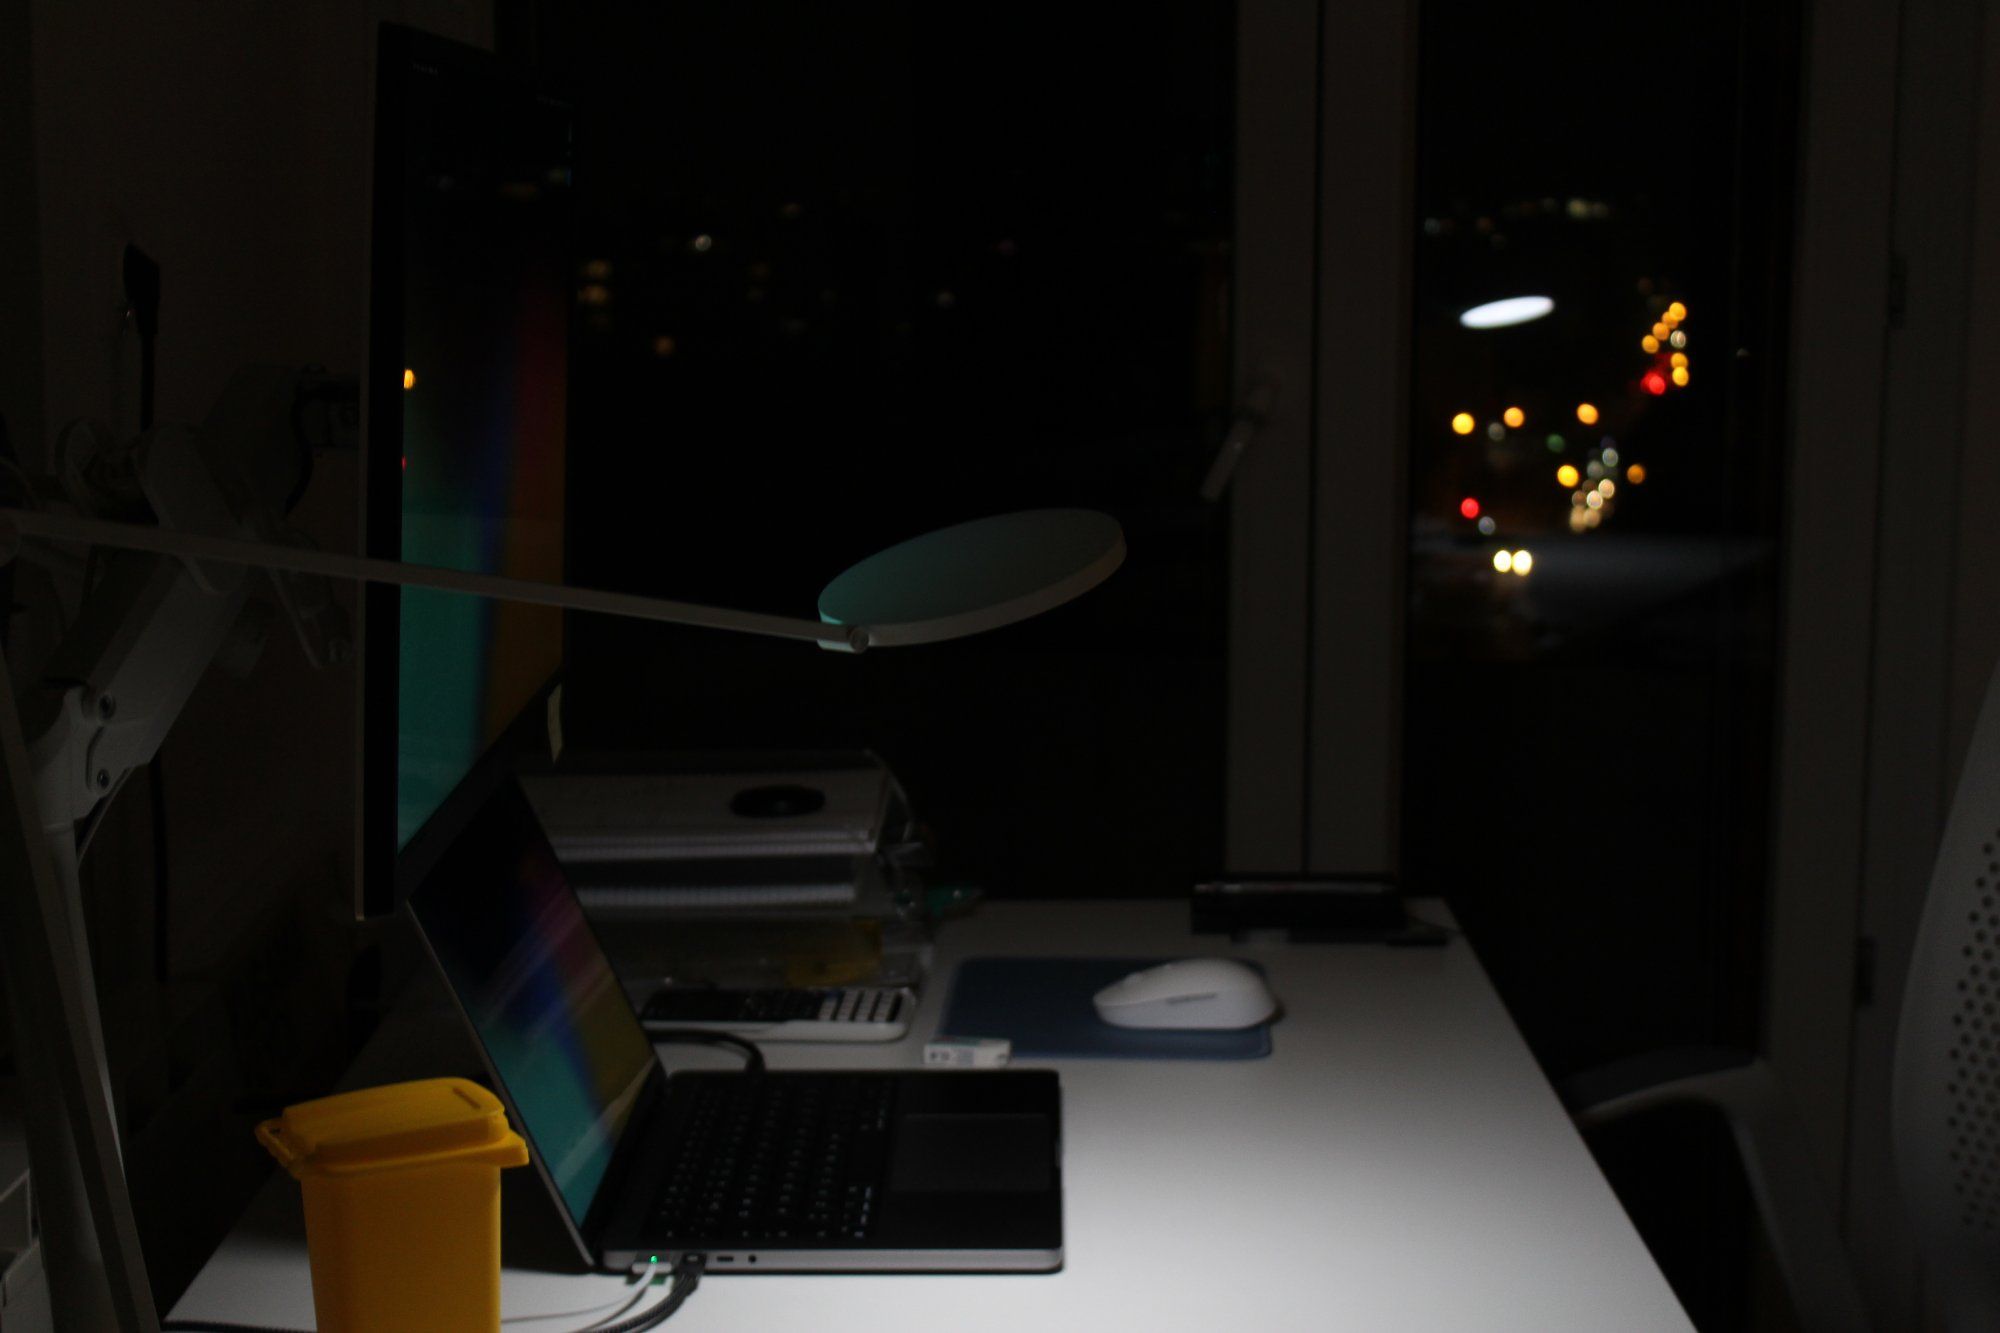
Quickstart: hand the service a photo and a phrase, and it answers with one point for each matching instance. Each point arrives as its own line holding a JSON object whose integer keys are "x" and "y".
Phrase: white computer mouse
{"x": 1188, "y": 993}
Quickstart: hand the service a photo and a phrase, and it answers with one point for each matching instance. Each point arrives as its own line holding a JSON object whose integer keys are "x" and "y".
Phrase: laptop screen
{"x": 532, "y": 978}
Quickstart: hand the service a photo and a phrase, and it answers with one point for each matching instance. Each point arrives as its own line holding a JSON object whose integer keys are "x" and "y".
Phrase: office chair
{"x": 1945, "y": 1112}
{"x": 1945, "y": 1094}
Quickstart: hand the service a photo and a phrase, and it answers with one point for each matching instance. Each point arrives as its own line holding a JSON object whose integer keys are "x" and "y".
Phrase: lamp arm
{"x": 96, "y": 1271}
{"x": 199, "y": 547}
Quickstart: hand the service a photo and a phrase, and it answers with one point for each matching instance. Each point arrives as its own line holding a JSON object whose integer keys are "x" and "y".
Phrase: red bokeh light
{"x": 1469, "y": 507}
{"x": 1655, "y": 382}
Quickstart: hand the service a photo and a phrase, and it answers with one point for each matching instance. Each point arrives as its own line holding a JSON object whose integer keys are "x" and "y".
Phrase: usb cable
{"x": 683, "y": 1279}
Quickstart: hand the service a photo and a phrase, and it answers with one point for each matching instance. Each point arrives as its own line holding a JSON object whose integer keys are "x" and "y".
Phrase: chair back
{"x": 1946, "y": 1096}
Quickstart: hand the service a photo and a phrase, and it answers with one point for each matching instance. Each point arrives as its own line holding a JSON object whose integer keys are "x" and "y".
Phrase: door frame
{"x": 1326, "y": 106}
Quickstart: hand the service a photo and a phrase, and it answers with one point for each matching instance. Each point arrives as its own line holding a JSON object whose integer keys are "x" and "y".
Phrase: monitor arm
{"x": 146, "y": 631}
{"x": 109, "y": 694}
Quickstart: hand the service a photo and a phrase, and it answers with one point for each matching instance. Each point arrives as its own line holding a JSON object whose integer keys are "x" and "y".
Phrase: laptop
{"x": 847, "y": 1171}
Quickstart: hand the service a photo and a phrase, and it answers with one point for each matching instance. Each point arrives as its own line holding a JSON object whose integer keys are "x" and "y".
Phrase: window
{"x": 853, "y": 273}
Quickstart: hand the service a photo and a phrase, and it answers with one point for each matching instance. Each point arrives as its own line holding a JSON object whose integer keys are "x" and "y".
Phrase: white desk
{"x": 1397, "y": 1163}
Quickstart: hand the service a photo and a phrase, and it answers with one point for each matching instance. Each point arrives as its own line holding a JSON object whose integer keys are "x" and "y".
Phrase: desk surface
{"x": 1397, "y": 1163}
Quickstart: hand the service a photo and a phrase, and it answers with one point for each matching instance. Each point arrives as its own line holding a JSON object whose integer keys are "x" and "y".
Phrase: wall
{"x": 20, "y": 247}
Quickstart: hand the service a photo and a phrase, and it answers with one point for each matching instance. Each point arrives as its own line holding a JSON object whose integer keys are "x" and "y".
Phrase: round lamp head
{"x": 975, "y": 576}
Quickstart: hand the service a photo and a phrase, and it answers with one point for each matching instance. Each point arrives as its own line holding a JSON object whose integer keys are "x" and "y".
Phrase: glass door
{"x": 1581, "y": 527}
{"x": 1596, "y": 484}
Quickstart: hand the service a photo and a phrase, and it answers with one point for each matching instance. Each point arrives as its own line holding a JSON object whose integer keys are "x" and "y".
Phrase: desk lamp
{"x": 141, "y": 641}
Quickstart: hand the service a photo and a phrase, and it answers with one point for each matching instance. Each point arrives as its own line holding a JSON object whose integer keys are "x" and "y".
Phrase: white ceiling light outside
{"x": 1513, "y": 310}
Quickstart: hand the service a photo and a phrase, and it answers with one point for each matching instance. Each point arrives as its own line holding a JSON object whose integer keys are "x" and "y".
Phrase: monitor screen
{"x": 534, "y": 982}
{"x": 468, "y": 361}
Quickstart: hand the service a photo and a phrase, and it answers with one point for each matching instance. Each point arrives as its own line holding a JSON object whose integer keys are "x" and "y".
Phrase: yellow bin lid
{"x": 392, "y": 1127}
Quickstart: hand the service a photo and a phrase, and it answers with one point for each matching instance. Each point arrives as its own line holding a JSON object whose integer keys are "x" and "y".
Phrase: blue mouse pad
{"x": 1043, "y": 1006}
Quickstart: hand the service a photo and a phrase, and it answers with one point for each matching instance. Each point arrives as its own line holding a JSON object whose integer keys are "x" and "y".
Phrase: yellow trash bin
{"x": 402, "y": 1202}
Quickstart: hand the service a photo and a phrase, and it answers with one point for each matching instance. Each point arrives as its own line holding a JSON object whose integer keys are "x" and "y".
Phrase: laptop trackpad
{"x": 972, "y": 1153}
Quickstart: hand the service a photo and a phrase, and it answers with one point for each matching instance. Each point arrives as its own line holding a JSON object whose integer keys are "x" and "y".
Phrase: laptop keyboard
{"x": 761, "y": 1159}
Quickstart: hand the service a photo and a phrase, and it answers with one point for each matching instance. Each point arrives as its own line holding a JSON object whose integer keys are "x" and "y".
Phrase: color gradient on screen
{"x": 485, "y": 328}
{"x": 533, "y": 979}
